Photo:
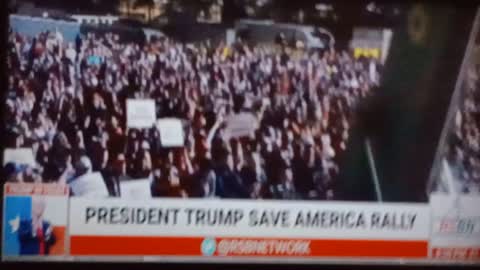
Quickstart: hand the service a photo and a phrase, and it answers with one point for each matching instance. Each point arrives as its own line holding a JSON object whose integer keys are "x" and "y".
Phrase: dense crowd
{"x": 66, "y": 101}
{"x": 463, "y": 147}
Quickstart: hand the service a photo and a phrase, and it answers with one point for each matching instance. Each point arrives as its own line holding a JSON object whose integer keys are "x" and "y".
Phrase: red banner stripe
{"x": 191, "y": 246}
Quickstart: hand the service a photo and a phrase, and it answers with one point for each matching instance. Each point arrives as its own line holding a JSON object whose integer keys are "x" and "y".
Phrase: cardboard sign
{"x": 171, "y": 132}
{"x": 89, "y": 185}
{"x": 241, "y": 125}
{"x": 19, "y": 156}
{"x": 140, "y": 113}
{"x": 136, "y": 189}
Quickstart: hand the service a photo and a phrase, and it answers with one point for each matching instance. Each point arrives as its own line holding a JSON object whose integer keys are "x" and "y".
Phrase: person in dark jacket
{"x": 228, "y": 184}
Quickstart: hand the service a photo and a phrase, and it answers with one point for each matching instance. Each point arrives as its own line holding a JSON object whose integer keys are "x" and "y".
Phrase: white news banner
{"x": 240, "y": 218}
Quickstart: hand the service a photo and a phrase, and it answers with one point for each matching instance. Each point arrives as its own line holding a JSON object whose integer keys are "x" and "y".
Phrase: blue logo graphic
{"x": 208, "y": 246}
{"x": 16, "y": 208}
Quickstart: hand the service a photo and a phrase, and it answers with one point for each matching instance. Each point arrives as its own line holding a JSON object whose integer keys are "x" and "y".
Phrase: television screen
{"x": 241, "y": 131}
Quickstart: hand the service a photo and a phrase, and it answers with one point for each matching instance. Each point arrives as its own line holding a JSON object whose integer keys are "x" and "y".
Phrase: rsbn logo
{"x": 208, "y": 247}
{"x": 459, "y": 226}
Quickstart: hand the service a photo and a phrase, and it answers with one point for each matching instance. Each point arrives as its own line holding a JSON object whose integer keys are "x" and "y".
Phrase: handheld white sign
{"x": 171, "y": 132}
{"x": 241, "y": 125}
{"x": 136, "y": 189}
{"x": 89, "y": 185}
{"x": 140, "y": 113}
{"x": 19, "y": 156}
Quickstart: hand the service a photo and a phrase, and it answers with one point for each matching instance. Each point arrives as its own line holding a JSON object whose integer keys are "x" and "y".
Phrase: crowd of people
{"x": 67, "y": 102}
{"x": 463, "y": 146}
